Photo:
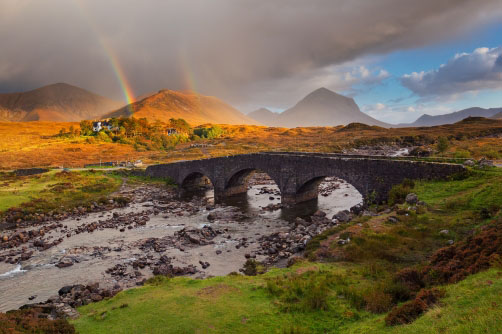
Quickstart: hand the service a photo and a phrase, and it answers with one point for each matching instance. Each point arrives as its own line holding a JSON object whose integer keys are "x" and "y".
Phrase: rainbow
{"x": 188, "y": 76}
{"x": 110, "y": 54}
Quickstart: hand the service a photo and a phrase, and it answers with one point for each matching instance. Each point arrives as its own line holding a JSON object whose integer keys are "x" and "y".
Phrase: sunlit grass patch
{"x": 55, "y": 189}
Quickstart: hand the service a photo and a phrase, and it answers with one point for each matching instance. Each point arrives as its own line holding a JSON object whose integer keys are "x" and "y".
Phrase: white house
{"x": 98, "y": 126}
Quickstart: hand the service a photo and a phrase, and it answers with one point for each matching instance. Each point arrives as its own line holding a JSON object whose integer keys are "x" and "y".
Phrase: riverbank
{"x": 119, "y": 247}
{"x": 347, "y": 293}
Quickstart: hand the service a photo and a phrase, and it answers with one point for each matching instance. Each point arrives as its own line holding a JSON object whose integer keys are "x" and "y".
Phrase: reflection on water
{"x": 336, "y": 195}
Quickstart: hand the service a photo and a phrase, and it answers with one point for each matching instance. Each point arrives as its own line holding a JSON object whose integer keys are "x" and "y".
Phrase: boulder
{"x": 343, "y": 216}
{"x": 320, "y": 213}
{"x": 95, "y": 297}
{"x": 64, "y": 264}
{"x": 357, "y": 209}
{"x": 393, "y": 219}
{"x": 412, "y": 198}
{"x": 469, "y": 163}
{"x": 485, "y": 163}
{"x": 65, "y": 289}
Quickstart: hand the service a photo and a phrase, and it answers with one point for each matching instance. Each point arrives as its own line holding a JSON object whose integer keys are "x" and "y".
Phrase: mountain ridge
{"x": 195, "y": 108}
{"x": 322, "y": 107}
{"x": 450, "y": 118}
{"x": 56, "y": 102}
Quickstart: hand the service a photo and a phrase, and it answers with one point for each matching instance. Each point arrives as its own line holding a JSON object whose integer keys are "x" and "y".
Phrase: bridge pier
{"x": 234, "y": 190}
{"x": 294, "y": 198}
{"x": 298, "y": 174}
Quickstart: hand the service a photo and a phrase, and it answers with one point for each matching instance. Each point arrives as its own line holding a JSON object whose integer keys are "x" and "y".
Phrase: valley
{"x": 251, "y": 167}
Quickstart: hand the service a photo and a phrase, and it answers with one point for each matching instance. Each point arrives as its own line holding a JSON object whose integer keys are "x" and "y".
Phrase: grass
{"x": 55, "y": 189}
{"x": 470, "y": 306}
{"x": 458, "y": 206}
{"x": 33, "y": 144}
{"x": 238, "y": 304}
{"x": 482, "y": 189}
{"x": 231, "y": 304}
{"x": 338, "y": 296}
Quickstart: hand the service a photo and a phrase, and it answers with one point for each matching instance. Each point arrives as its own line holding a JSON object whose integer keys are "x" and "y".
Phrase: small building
{"x": 96, "y": 126}
{"x": 171, "y": 131}
{"x": 100, "y": 125}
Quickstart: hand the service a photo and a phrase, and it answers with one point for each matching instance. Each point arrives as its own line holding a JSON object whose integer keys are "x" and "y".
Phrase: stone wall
{"x": 298, "y": 175}
{"x": 30, "y": 171}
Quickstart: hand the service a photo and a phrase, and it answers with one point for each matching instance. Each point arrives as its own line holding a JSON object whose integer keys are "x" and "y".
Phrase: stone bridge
{"x": 298, "y": 175}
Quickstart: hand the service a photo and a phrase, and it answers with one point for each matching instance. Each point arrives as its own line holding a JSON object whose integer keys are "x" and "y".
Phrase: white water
{"x": 16, "y": 271}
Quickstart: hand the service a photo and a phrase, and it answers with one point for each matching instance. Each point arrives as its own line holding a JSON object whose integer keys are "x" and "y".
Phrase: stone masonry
{"x": 299, "y": 174}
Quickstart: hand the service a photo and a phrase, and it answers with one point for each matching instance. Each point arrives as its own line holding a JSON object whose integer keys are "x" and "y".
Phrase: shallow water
{"x": 97, "y": 251}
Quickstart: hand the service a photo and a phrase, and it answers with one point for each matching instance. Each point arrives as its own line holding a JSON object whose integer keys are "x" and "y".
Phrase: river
{"x": 240, "y": 223}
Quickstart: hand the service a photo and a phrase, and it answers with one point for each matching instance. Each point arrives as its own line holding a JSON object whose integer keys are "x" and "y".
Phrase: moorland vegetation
{"x": 38, "y": 144}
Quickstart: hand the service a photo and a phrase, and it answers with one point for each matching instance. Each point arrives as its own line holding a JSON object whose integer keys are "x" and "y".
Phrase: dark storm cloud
{"x": 227, "y": 48}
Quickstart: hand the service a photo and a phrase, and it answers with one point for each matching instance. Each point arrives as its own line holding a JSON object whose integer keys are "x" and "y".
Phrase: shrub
{"x": 213, "y": 132}
{"x": 32, "y": 321}
{"x": 411, "y": 278}
{"x": 399, "y": 291}
{"x": 378, "y": 301}
{"x": 442, "y": 144}
{"x": 453, "y": 263}
{"x": 121, "y": 200}
{"x": 102, "y": 136}
{"x": 462, "y": 154}
{"x": 411, "y": 310}
{"x": 157, "y": 280}
{"x": 253, "y": 268}
{"x": 302, "y": 293}
{"x": 405, "y": 313}
{"x": 397, "y": 194}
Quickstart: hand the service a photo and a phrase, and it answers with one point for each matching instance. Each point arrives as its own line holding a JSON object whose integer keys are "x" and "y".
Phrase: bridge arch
{"x": 308, "y": 188}
{"x": 299, "y": 174}
{"x": 195, "y": 181}
{"x": 238, "y": 178}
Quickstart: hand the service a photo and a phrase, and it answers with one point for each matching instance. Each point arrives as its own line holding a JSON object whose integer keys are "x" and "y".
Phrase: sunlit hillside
{"x": 38, "y": 144}
{"x": 194, "y": 108}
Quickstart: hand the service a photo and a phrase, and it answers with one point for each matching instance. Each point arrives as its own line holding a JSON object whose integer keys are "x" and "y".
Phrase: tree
{"x": 86, "y": 128}
{"x": 442, "y": 144}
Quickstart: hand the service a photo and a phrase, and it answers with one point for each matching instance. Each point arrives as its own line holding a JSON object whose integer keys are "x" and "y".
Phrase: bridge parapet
{"x": 299, "y": 174}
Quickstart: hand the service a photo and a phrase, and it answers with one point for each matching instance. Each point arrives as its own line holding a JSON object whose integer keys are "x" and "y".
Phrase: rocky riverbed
{"x": 96, "y": 254}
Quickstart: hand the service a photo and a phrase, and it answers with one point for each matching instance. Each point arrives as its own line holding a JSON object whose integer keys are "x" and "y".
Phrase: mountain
{"x": 264, "y": 116}
{"x": 196, "y": 109}
{"x": 454, "y": 117}
{"x": 497, "y": 115}
{"x": 58, "y": 102}
{"x": 323, "y": 107}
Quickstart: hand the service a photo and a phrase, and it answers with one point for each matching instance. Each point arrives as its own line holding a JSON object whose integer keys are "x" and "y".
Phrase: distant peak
{"x": 60, "y": 84}
{"x": 322, "y": 90}
{"x": 324, "y": 95}
{"x": 263, "y": 110}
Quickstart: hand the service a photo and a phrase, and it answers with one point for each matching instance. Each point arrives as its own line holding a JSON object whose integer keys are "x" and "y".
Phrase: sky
{"x": 398, "y": 59}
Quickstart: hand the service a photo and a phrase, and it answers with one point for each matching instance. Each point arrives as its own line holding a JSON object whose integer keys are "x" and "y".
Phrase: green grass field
{"x": 236, "y": 304}
{"x": 54, "y": 189}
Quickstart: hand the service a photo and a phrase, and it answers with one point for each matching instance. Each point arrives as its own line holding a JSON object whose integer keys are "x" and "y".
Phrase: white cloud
{"x": 465, "y": 72}
{"x": 401, "y": 113}
{"x": 379, "y": 106}
{"x": 347, "y": 78}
